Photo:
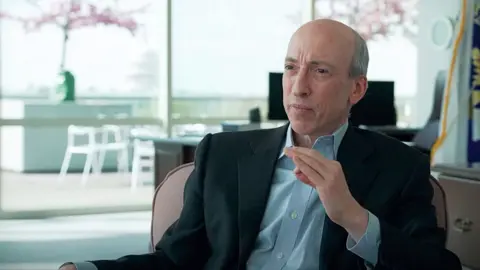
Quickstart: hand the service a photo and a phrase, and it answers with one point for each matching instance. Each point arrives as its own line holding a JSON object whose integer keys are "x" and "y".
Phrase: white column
{"x": 1, "y": 114}
{"x": 164, "y": 105}
{"x": 308, "y": 10}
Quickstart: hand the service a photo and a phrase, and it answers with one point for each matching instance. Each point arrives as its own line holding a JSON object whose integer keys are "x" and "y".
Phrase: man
{"x": 314, "y": 194}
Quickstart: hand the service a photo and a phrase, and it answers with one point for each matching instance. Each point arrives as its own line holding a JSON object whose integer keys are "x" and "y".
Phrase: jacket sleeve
{"x": 415, "y": 242}
{"x": 185, "y": 244}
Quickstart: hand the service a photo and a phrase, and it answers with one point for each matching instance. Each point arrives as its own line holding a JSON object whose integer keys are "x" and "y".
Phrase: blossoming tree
{"x": 70, "y": 15}
{"x": 373, "y": 19}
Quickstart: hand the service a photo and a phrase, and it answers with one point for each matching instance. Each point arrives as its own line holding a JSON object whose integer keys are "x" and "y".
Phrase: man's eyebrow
{"x": 290, "y": 59}
{"x": 313, "y": 62}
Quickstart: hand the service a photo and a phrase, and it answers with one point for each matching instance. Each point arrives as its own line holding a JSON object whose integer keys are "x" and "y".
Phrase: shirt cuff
{"x": 368, "y": 245}
{"x": 83, "y": 265}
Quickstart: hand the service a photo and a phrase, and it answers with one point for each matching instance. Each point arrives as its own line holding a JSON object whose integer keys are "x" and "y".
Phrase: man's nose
{"x": 301, "y": 87}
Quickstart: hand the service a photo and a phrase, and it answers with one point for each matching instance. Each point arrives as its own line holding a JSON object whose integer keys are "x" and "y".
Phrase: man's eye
{"x": 321, "y": 70}
{"x": 288, "y": 67}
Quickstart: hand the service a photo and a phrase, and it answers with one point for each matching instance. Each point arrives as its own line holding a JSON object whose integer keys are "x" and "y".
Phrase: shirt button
{"x": 293, "y": 215}
{"x": 280, "y": 255}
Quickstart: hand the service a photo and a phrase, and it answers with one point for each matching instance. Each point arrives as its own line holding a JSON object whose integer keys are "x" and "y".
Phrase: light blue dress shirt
{"x": 291, "y": 229}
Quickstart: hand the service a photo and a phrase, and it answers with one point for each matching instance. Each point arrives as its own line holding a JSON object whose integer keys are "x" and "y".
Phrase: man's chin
{"x": 302, "y": 127}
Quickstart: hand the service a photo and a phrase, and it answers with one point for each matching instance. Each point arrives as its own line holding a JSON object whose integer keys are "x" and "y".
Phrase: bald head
{"x": 341, "y": 35}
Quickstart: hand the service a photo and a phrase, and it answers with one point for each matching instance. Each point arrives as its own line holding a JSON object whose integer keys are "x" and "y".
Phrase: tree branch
{"x": 70, "y": 15}
{"x": 374, "y": 18}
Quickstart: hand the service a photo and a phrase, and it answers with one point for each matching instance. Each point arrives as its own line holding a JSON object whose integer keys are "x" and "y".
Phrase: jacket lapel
{"x": 354, "y": 155}
{"x": 255, "y": 173}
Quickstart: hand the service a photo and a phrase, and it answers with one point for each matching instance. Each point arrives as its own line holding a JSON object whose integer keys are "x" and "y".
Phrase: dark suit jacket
{"x": 226, "y": 195}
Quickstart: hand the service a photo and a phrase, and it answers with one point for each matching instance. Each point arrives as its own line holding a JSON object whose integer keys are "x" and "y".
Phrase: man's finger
{"x": 314, "y": 163}
{"x": 311, "y": 175}
{"x": 302, "y": 177}
{"x": 310, "y": 152}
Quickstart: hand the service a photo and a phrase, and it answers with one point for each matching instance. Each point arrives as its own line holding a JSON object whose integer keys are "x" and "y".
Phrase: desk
{"x": 171, "y": 153}
{"x": 458, "y": 170}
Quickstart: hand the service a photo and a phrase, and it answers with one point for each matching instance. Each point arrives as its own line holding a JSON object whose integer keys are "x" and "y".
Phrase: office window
{"x": 117, "y": 75}
{"x": 223, "y": 52}
{"x": 115, "y": 59}
{"x": 390, "y": 30}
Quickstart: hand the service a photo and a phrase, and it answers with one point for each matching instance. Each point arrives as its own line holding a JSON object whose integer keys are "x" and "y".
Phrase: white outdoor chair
{"x": 95, "y": 150}
{"x": 119, "y": 144}
{"x": 91, "y": 149}
{"x": 143, "y": 155}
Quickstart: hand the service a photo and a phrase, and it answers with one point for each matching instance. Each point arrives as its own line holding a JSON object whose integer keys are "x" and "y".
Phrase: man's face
{"x": 317, "y": 89}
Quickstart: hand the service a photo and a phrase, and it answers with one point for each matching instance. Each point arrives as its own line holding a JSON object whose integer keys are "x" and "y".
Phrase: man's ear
{"x": 359, "y": 90}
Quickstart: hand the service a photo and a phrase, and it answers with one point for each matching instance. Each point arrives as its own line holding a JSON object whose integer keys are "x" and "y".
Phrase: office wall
{"x": 430, "y": 59}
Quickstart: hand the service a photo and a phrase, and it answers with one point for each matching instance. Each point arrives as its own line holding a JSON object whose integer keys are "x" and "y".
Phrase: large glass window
{"x": 113, "y": 51}
{"x": 220, "y": 70}
{"x": 390, "y": 30}
{"x": 223, "y": 52}
{"x": 120, "y": 58}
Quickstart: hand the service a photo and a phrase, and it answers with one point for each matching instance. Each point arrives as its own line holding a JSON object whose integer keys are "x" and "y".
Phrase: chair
{"x": 438, "y": 91}
{"x": 463, "y": 237}
{"x": 168, "y": 201}
{"x": 439, "y": 200}
{"x": 426, "y": 137}
{"x": 119, "y": 145}
{"x": 143, "y": 154}
{"x": 91, "y": 149}
{"x": 95, "y": 151}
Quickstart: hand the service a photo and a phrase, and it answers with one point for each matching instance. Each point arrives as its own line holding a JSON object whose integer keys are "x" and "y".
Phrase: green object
{"x": 65, "y": 89}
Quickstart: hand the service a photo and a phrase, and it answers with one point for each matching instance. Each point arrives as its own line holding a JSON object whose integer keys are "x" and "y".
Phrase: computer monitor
{"x": 377, "y": 107}
{"x": 276, "y": 111}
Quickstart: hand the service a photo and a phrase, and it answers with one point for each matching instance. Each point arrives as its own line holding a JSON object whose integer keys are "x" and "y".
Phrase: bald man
{"x": 316, "y": 193}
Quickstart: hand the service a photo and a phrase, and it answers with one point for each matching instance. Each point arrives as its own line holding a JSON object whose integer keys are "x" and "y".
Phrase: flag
{"x": 459, "y": 136}
{"x": 473, "y": 147}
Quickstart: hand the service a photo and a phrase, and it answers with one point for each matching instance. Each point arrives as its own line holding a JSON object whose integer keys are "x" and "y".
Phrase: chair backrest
{"x": 440, "y": 202}
{"x": 168, "y": 201}
{"x": 463, "y": 237}
{"x": 426, "y": 137}
{"x": 438, "y": 92}
{"x": 142, "y": 131}
{"x": 75, "y": 132}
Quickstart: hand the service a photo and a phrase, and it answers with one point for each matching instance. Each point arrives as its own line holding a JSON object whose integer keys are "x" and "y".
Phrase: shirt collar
{"x": 337, "y": 138}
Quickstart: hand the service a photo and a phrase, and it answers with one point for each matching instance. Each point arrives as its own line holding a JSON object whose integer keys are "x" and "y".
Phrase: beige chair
{"x": 463, "y": 237}
{"x": 168, "y": 201}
